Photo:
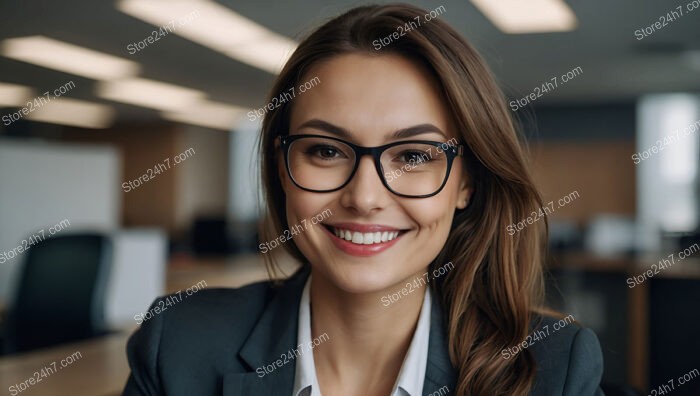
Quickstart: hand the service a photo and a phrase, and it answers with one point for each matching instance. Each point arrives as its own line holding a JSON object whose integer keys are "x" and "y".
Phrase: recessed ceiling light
{"x": 216, "y": 27}
{"x": 74, "y": 112}
{"x": 13, "y": 95}
{"x": 208, "y": 114}
{"x": 69, "y": 58}
{"x": 531, "y": 16}
{"x": 149, "y": 93}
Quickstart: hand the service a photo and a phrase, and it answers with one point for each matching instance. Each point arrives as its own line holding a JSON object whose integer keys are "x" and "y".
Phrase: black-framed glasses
{"x": 408, "y": 168}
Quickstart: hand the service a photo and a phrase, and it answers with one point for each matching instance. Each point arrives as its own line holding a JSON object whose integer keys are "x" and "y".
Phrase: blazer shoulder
{"x": 235, "y": 309}
{"x": 568, "y": 357}
{"x": 188, "y": 340}
{"x": 217, "y": 318}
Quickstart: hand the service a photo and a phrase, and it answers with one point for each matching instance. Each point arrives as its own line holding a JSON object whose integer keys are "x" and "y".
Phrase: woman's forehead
{"x": 379, "y": 94}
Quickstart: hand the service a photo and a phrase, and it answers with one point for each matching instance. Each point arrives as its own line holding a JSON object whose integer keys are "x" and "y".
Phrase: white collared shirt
{"x": 411, "y": 376}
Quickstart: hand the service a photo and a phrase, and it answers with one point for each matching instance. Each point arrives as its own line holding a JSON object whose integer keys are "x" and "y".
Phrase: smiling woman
{"x": 427, "y": 101}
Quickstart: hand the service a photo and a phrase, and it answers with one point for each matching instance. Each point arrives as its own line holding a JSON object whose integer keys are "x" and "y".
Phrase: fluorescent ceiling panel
{"x": 69, "y": 58}
{"x": 13, "y": 95}
{"x": 208, "y": 114}
{"x": 531, "y": 16}
{"x": 74, "y": 112}
{"x": 216, "y": 27}
{"x": 150, "y": 94}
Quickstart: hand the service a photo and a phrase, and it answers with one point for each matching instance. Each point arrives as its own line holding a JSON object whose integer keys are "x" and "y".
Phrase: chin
{"x": 361, "y": 278}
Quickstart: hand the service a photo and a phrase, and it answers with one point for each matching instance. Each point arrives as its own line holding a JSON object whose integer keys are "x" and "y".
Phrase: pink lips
{"x": 362, "y": 250}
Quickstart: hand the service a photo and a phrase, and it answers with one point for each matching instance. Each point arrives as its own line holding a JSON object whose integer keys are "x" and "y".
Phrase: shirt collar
{"x": 305, "y": 381}
{"x": 412, "y": 373}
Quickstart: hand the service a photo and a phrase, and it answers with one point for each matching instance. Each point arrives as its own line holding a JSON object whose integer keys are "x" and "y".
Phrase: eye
{"x": 324, "y": 152}
{"x": 414, "y": 156}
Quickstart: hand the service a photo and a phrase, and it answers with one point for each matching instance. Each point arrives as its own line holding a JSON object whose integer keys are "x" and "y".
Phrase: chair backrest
{"x": 60, "y": 296}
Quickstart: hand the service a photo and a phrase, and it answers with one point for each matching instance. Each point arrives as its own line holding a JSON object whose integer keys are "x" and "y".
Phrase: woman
{"x": 411, "y": 284}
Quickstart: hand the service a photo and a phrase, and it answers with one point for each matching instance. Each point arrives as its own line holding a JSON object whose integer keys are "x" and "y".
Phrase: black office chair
{"x": 60, "y": 296}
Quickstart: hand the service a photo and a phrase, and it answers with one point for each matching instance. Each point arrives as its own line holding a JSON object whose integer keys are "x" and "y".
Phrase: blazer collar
{"x": 275, "y": 335}
{"x": 270, "y": 341}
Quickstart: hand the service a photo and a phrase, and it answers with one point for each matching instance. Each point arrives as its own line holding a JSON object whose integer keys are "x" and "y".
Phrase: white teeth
{"x": 368, "y": 238}
{"x": 357, "y": 237}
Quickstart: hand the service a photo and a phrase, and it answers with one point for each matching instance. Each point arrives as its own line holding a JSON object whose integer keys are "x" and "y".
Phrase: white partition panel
{"x": 42, "y": 184}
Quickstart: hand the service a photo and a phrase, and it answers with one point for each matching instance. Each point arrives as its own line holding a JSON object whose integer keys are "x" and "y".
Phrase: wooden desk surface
{"x": 101, "y": 369}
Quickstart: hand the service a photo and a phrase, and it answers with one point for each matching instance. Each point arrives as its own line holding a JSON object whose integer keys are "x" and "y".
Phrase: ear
{"x": 465, "y": 191}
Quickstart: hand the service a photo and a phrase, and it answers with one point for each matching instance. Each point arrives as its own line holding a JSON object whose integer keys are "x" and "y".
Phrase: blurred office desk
{"x": 185, "y": 271}
{"x": 634, "y": 278}
{"x": 101, "y": 369}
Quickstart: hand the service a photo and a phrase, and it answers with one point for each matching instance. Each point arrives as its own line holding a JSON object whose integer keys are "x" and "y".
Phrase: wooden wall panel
{"x": 601, "y": 172}
{"x": 143, "y": 147}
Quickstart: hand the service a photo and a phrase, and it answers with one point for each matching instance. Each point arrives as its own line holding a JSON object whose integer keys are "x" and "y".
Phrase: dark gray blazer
{"x": 216, "y": 342}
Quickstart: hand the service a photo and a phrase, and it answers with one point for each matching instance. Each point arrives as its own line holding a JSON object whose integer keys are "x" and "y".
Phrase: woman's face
{"x": 371, "y": 97}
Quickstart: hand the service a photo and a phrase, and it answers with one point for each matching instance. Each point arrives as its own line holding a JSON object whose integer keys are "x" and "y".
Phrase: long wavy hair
{"x": 493, "y": 294}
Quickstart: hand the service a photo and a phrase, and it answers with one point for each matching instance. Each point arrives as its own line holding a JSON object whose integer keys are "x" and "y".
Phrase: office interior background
{"x": 128, "y": 168}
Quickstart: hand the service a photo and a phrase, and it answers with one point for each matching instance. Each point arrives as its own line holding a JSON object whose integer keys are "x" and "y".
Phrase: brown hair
{"x": 496, "y": 286}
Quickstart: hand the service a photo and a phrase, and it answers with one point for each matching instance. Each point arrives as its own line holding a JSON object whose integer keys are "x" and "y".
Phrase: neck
{"x": 367, "y": 339}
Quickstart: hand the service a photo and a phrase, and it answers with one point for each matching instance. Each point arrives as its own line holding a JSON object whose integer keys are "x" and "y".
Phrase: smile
{"x": 363, "y": 240}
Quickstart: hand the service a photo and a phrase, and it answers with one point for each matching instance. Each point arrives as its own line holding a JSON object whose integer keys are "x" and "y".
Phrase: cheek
{"x": 433, "y": 215}
{"x": 303, "y": 204}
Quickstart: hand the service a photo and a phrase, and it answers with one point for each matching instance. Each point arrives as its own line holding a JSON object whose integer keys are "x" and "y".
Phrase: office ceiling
{"x": 616, "y": 66}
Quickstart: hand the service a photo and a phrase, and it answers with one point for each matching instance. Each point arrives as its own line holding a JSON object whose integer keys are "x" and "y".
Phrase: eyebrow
{"x": 402, "y": 133}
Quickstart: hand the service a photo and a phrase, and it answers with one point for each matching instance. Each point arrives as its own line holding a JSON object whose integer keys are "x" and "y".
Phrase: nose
{"x": 365, "y": 193}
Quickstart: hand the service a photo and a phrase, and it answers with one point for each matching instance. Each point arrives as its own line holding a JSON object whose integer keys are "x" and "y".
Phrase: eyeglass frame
{"x": 376, "y": 152}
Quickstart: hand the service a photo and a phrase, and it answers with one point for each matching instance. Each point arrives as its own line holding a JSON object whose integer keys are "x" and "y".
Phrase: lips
{"x": 363, "y": 239}
{"x": 366, "y": 238}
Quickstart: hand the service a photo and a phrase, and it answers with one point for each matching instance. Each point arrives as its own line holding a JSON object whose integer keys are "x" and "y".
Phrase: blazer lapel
{"x": 271, "y": 340}
{"x": 275, "y": 335}
{"x": 439, "y": 372}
